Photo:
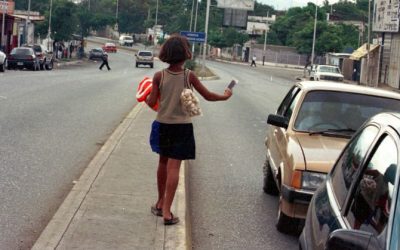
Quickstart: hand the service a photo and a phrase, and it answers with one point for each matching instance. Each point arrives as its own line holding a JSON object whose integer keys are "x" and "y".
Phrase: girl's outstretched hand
{"x": 227, "y": 93}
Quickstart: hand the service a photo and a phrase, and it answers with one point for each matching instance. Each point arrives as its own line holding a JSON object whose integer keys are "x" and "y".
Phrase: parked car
{"x": 144, "y": 57}
{"x": 3, "y": 61}
{"x": 326, "y": 72}
{"x": 96, "y": 53}
{"x": 358, "y": 206}
{"x": 23, "y": 57}
{"x": 45, "y": 58}
{"x": 125, "y": 40}
{"x": 312, "y": 125}
{"x": 110, "y": 47}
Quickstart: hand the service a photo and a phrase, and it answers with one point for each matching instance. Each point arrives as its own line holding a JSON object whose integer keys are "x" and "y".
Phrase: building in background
{"x": 18, "y": 26}
{"x": 386, "y": 24}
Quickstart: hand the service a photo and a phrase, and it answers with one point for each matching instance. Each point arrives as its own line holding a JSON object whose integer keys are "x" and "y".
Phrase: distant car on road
{"x": 358, "y": 206}
{"x": 3, "y": 61}
{"x": 23, "y": 57}
{"x": 144, "y": 57}
{"x": 311, "y": 127}
{"x": 326, "y": 72}
{"x": 125, "y": 40}
{"x": 96, "y": 53}
{"x": 110, "y": 47}
{"x": 45, "y": 59}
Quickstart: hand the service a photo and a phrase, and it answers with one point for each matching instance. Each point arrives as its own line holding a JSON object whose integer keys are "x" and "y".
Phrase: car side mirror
{"x": 350, "y": 239}
{"x": 278, "y": 120}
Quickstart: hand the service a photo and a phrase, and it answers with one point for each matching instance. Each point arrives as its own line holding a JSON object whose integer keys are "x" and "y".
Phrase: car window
{"x": 329, "y": 69}
{"x": 394, "y": 239}
{"x": 349, "y": 162}
{"x": 22, "y": 51}
{"x": 287, "y": 100}
{"x": 323, "y": 110}
{"x": 370, "y": 206}
{"x": 145, "y": 53}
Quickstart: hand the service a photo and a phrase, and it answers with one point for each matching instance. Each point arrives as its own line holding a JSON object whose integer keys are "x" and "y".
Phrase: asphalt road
{"x": 228, "y": 207}
{"x": 51, "y": 124}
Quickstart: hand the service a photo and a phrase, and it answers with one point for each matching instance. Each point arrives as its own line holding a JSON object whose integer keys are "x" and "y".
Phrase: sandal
{"x": 171, "y": 221}
{"x": 156, "y": 211}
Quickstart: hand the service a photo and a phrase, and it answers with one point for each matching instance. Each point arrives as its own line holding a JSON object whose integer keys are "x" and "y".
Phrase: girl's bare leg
{"x": 173, "y": 166}
{"x": 161, "y": 180}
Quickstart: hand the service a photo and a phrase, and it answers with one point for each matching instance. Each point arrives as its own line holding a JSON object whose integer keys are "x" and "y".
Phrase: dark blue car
{"x": 358, "y": 206}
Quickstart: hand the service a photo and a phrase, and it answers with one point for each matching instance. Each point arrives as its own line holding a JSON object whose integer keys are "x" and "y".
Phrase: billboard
{"x": 8, "y": 6}
{"x": 386, "y": 16}
{"x": 236, "y": 4}
{"x": 235, "y": 18}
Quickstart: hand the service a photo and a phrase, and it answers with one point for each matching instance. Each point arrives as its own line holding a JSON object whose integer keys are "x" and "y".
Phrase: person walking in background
{"x": 253, "y": 61}
{"x": 104, "y": 57}
{"x": 172, "y": 134}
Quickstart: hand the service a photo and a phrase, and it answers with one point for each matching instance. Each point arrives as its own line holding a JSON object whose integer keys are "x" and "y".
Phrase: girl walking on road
{"x": 172, "y": 134}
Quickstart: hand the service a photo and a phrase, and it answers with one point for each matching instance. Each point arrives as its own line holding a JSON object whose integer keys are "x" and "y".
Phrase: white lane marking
{"x": 3, "y": 97}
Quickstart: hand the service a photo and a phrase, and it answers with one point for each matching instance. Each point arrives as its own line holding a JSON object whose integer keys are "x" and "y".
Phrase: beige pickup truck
{"x": 306, "y": 135}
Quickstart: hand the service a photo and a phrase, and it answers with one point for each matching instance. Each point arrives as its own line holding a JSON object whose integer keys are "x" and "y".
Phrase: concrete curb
{"x": 59, "y": 224}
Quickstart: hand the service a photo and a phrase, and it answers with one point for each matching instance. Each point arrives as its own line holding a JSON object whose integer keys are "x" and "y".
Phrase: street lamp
{"x": 314, "y": 35}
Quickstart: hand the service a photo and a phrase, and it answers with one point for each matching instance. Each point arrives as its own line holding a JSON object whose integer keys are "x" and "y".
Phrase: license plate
{"x": 20, "y": 63}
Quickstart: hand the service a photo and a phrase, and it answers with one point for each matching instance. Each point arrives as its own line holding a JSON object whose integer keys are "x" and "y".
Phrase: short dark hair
{"x": 175, "y": 50}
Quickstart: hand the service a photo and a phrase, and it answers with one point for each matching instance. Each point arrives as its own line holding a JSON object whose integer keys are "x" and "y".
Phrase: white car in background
{"x": 326, "y": 72}
{"x": 3, "y": 61}
{"x": 125, "y": 40}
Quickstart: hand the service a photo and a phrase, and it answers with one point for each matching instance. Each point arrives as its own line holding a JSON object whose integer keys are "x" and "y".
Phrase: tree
{"x": 64, "y": 20}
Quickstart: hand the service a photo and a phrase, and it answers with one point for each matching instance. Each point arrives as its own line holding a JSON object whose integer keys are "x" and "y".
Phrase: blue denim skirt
{"x": 174, "y": 141}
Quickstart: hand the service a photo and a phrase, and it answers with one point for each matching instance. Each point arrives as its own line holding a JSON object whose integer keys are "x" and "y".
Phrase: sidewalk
{"x": 109, "y": 206}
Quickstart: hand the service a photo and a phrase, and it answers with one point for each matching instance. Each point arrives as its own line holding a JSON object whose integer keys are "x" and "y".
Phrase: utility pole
{"x": 49, "y": 30}
{"x": 315, "y": 32}
{"x": 116, "y": 19}
{"x": 191, "y": 16}
{"x": 5, "y": 7}
{"x": 28, "y": 22}
{"x": 206, "y": 36}
{"x": 265, "y": 37}
{"x": 156, "y": 15}
{"x": 195, "y": 24}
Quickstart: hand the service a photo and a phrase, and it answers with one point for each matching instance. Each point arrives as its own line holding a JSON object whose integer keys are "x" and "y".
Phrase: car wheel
{"x": 137, "y": 65}
{"x": 49, "y": 66}
{"x": 3, "y": 67}
{"x": 269, "y": 182}
{"x": 151, "y": 65}
{"x": 286, "y": 224}
{"x": 42, "y": 65}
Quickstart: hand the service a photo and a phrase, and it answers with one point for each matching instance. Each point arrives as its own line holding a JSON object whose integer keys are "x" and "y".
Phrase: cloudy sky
{"x": 285, "y": 4}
